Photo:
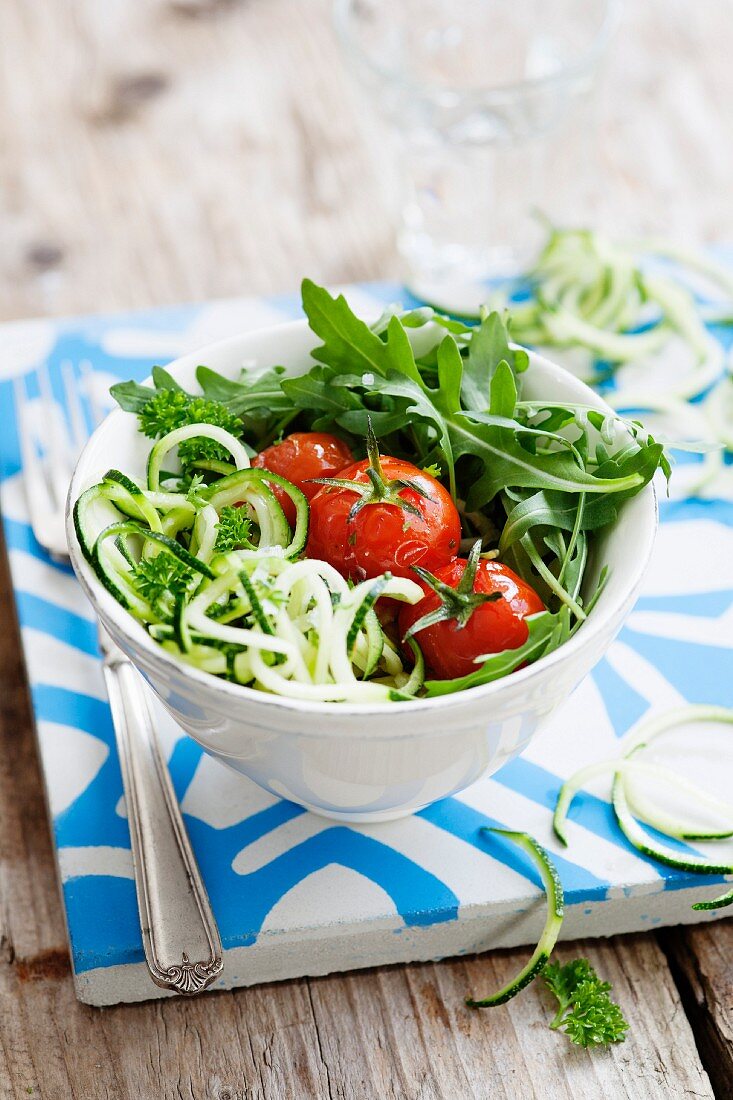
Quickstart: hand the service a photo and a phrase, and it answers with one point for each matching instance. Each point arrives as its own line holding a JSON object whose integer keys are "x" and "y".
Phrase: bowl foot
{"x": 368, "y": 818}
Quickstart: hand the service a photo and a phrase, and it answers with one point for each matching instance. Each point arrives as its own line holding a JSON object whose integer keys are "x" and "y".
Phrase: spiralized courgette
{"x": 250, "y": 612}
{"x": 631, "y": 803}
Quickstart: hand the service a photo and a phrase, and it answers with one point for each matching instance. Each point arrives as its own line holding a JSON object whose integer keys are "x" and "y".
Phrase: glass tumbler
{"x": 488, "y": 102}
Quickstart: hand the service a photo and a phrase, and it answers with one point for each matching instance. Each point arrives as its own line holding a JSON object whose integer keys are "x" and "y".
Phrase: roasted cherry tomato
{"x": 383, "y": 514}
{"x": 301, "y": 456}
{"x": 475, "y": 607}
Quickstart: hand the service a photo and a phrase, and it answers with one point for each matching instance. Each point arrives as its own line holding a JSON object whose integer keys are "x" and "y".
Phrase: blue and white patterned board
{"x": 293, "y": 893}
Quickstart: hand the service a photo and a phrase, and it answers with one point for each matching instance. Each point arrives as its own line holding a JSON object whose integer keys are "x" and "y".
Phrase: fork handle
{"x": 180, "y": 937}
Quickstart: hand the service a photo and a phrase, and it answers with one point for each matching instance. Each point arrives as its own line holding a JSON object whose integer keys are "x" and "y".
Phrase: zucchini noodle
{"x": 248, "y": 612}
{"x": 632, "y": 804}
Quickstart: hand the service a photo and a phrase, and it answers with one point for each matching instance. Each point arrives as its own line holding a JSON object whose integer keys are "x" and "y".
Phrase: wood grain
{"x": 701, "y": 962}
{"x": 180, "y": 149}
{"x": 509, "y": 1052}
{"x": 163, "y": 151}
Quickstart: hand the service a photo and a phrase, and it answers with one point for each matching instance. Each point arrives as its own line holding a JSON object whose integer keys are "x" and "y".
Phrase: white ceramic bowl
{"x": 364, "y": 762}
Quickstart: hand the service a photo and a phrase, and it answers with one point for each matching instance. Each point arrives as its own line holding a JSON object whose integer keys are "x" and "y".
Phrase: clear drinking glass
{"x": 488, "y": 101}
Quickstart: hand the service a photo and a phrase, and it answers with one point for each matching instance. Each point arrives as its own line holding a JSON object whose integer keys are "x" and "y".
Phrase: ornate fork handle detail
{"x": 177, "y": 923}
{"x": 190, "y": 978}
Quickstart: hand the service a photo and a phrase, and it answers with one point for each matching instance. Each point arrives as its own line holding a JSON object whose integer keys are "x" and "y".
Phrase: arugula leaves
{"x": 262, "y": 396}
{"x": 489, "y": 348}
{"x": 473, "y": 409}
{"x": 586, "y": 1013}
{"x": 348, "y": 342}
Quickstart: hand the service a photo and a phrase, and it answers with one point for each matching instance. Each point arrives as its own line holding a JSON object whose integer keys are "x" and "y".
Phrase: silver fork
{"x": 181, "y": 940}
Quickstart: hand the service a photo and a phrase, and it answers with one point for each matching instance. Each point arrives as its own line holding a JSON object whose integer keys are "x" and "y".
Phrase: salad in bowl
{"x": 336, "y": 539}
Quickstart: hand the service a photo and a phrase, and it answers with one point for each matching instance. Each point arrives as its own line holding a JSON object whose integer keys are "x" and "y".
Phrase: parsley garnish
{"x": 586, "y": 1014}
{"x": 169, "y": 409}
{"x": 233, "y": 529}
{"x": 160, "y": 580}
{"x": 163, "y": 412}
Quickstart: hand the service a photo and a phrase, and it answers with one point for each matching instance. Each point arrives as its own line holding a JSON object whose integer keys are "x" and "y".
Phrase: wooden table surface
{"x": 163, "y": 151}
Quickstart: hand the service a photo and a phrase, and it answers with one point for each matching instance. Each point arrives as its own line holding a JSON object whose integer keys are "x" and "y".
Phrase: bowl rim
{"x": 105, "y": 604}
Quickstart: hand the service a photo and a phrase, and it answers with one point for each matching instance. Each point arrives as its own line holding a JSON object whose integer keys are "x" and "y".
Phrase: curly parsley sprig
{"x": 164, "y": 411}
{"x": 160, "y": 580}
{"x": 586, "y": 1014}
{"x": 233, "y": 529}
{"x": 168, "y": 409}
